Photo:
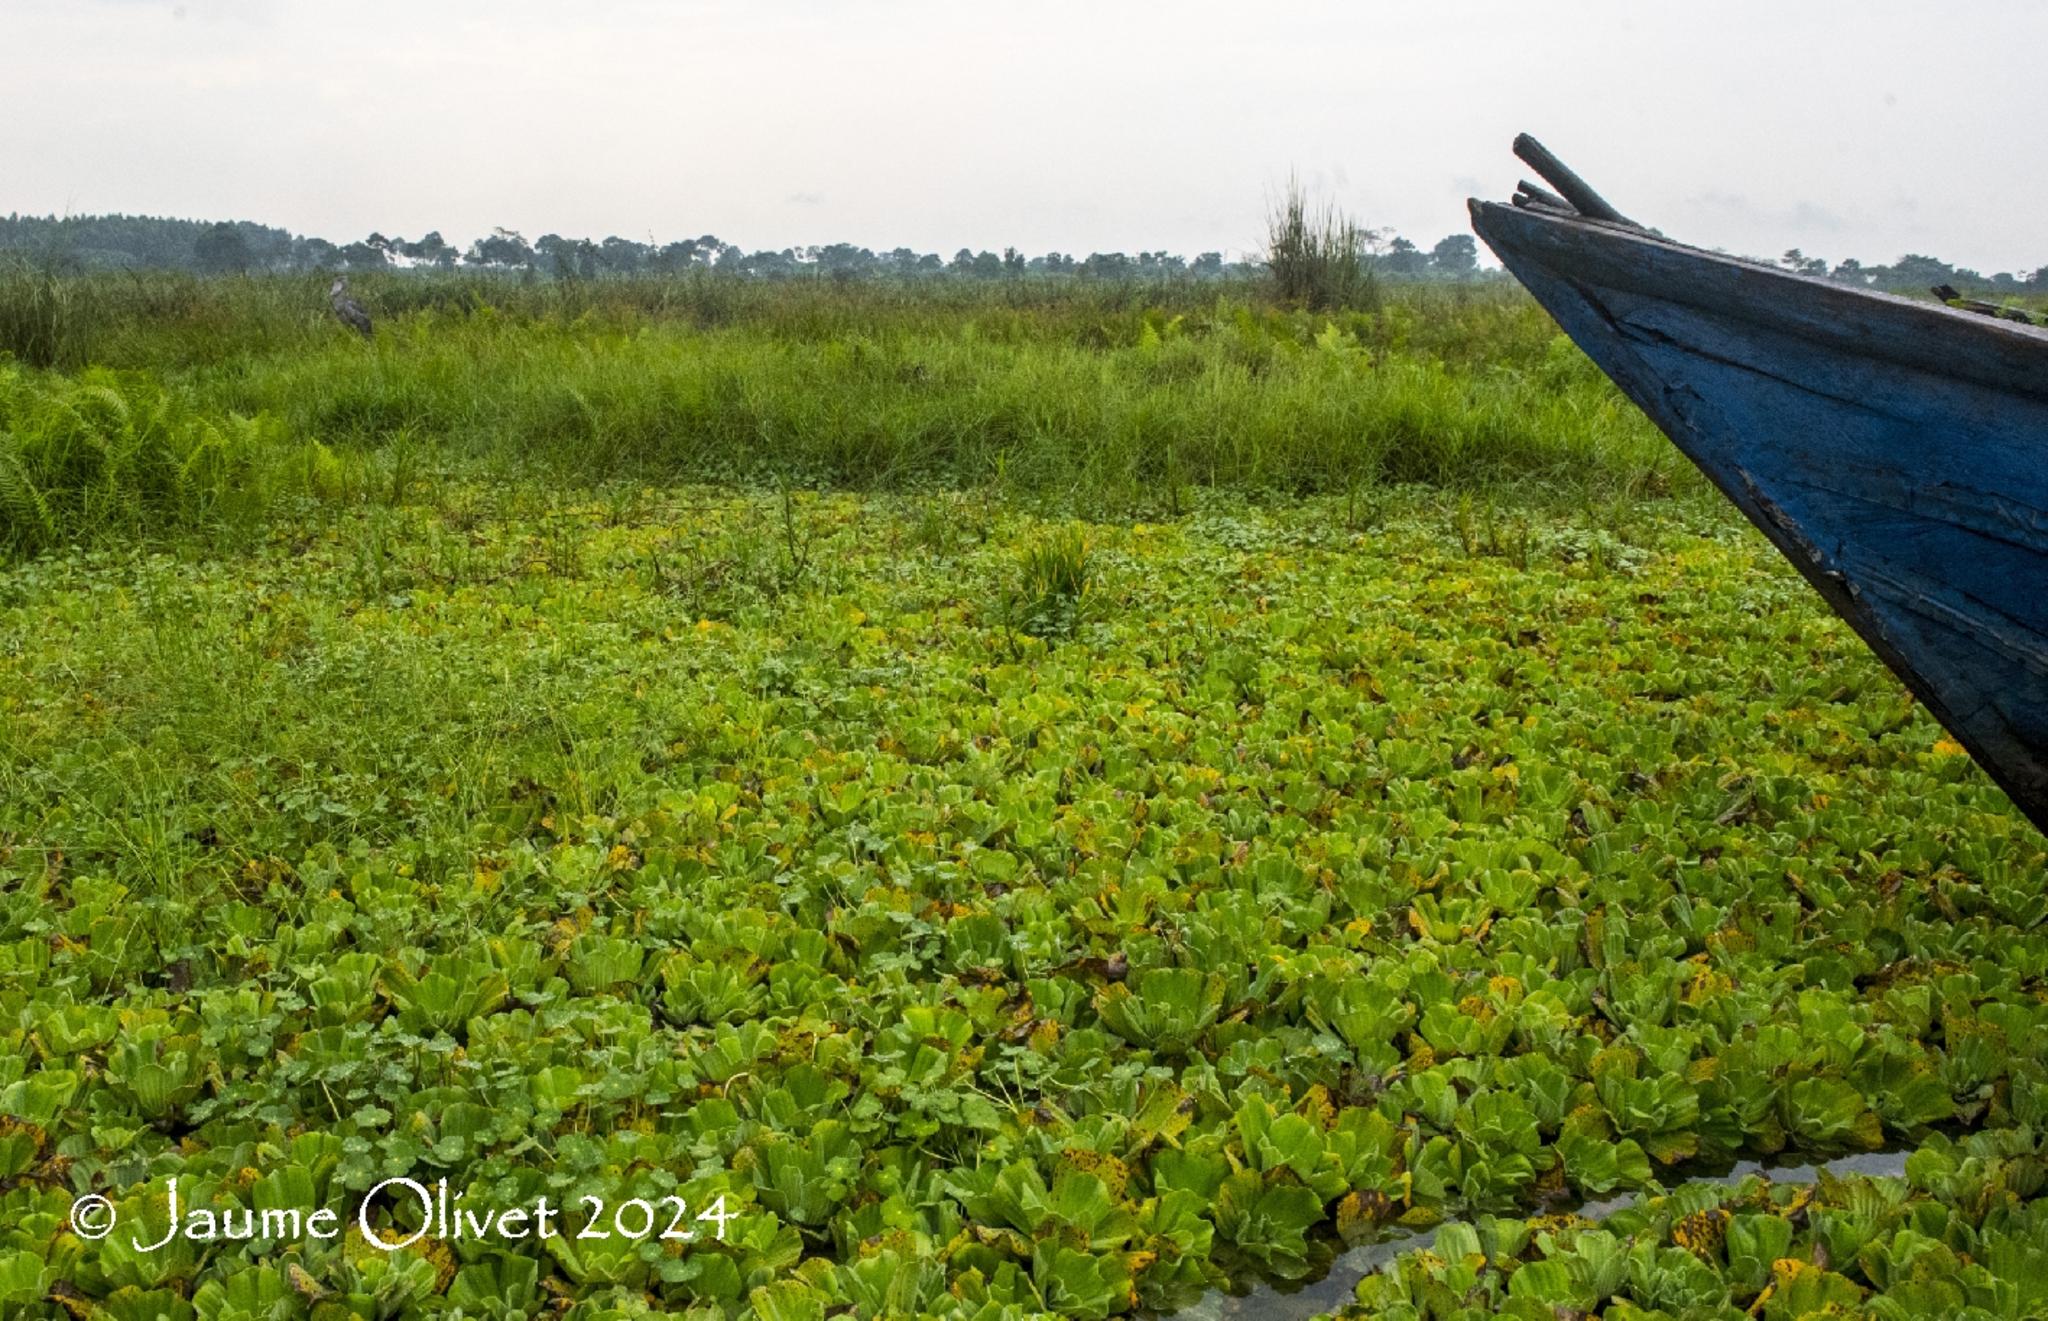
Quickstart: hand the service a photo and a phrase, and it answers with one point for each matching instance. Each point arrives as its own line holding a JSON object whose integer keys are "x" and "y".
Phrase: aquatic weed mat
{"x": 807, "y": 905}
{"x": 1959, "y": 1235}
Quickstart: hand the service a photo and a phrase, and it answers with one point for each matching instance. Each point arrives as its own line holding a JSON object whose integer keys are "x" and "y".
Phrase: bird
{"x": 1948, "y": 293}
{"x": 348, "y": 309}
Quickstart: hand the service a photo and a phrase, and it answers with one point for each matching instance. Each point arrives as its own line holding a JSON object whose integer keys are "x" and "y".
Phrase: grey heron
{"x": 348, "y": 309}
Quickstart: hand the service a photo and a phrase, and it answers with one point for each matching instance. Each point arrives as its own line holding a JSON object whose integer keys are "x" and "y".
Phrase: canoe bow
{"x": 1894, "y": 450}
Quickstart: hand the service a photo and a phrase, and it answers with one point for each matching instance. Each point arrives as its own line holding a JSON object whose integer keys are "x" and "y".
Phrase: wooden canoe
{"x": 1896, "y": 451}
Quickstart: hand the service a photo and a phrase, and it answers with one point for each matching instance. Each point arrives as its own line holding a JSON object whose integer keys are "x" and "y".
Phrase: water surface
{"x": 1300, "y": 1300}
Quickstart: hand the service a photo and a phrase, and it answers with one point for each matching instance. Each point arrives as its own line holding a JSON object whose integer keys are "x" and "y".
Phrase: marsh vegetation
{"x": 1049, "y": 797}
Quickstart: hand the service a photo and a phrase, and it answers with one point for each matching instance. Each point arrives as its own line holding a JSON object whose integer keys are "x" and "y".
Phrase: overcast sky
{"x": 1863, "y": 129}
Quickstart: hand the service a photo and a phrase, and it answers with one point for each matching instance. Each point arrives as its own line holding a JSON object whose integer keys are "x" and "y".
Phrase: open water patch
{"x": 1298, "y": 1300}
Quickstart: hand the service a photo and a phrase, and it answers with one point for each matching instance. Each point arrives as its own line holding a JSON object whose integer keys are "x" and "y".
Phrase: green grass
{"x": 1092, "y": 398}
{"x": 1321, "y": 875}
{"x": 1247, "y": 402}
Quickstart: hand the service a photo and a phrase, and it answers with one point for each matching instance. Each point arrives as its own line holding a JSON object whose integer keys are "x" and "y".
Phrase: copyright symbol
{"x": 92, "y": 1217}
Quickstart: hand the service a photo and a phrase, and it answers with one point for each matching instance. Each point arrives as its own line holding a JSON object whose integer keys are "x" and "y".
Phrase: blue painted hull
{"x": 1895, "y": 451}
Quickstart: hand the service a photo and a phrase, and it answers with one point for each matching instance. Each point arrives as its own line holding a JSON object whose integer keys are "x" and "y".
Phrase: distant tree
{"x": 674, "y": 258}
{"x": 1106, "y": 265}
{"x": 433, "y": 250}
{"x": 503, "y": 249}
{"x": 311, "y": 254}
{"x": 1850, "y": 271}
{"x": 622, "y": 256}
{"x": 1208, "y": 265}
{"x": 221, "y": 249}
{"x": 1403, "y": 258}
{"x": 1916, "y": 272}
{"x": 1797, "y": 261}
{"x": 844, "y": 261}
{"x": 1013, "y": 262}
{"x": 769, "y": 264}
{"x": 2039, "y": 279}
{"x": 897, "y": 261}
{"x": 566, "y": 258}
{"x": 363, "y": 256}
{"x": 269, "y": 249}
{"x": 1455, "y": 255}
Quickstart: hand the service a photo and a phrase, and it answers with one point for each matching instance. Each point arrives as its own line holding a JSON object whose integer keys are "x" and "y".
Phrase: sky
{"x": 1865, "y": 129}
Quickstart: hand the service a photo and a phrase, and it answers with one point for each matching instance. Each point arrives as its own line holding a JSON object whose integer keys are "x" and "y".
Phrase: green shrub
{"x": 101, "y": 456}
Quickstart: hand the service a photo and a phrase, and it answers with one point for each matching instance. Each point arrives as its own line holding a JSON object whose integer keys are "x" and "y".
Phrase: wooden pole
{"x": 1539, "y": 193}
{"x": 1559, "y": 176}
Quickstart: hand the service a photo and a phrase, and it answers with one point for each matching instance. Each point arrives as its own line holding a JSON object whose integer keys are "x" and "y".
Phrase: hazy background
{"x": 1866, "y": 130}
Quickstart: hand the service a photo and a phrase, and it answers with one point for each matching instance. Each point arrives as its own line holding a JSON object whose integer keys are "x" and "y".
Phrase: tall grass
{"x": 46, "y": 319}
{"x": 1101, "y": 397}
{"x": 160, "y": 319}
{"x": 1234, "y": 396}
{"x": 1317, "y": 255}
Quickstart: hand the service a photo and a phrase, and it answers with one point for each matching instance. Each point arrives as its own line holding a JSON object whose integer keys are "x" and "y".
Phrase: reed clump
{"x": 46, "y": 318}
{"x": 1317, "y": 256}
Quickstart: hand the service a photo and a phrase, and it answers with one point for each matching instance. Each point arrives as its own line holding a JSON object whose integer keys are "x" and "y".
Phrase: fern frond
{"x": 25, "y": 521}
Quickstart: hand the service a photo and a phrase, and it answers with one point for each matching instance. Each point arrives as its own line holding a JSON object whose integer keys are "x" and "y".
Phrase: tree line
{"x": 121, "y": 242}
{"x": 1916, "y": 273}
{"x": 124, "y": 242}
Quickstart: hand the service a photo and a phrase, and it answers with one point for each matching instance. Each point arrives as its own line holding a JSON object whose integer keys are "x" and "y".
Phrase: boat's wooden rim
{"x": 2005, "y": 355}
{"x": 1611, "y": 285}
